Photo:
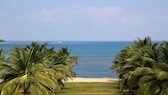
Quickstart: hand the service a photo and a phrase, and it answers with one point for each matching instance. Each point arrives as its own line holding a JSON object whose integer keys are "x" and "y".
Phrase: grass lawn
{"x": 84, "y": 88}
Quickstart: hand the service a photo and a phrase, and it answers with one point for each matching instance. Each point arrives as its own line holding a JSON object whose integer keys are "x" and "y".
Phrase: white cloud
{"x": 46, "y": 15}
{"x": 102, "y": 14}
{"x": 96, "y": 14}
{"x": 132, "y": 19}
{"x": 111, "y": 14}
{"x": 79, "y": 13}
{"x": 95, "y": 11}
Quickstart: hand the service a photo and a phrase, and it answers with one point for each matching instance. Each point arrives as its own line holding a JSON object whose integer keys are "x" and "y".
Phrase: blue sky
{"x": 83, "y": 20}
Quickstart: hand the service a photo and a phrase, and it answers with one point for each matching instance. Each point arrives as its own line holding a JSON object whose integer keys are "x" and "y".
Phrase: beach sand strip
{"x": 93, "y": 80}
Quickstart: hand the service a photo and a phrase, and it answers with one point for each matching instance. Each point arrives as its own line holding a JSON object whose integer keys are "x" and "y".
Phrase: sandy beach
{"x": 93, "y": 80}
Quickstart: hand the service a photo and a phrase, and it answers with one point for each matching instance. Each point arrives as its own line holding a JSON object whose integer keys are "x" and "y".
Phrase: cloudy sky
{"x": 83, "y": 20}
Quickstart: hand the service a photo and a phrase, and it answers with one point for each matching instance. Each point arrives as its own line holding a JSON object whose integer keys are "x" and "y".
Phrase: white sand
{"x": 93, "y": 80}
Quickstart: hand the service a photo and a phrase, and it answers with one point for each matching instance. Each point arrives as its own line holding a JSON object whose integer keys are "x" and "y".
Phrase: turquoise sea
{"x": 95, "y": 57}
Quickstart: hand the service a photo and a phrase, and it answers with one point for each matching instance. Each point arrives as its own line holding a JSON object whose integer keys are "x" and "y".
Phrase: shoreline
{"x": 80, "y": 79}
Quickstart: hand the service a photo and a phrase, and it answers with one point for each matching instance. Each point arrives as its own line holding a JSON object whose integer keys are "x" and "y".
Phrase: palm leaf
{"x": 45, "y": 80}
{"x": 10, "y": 87}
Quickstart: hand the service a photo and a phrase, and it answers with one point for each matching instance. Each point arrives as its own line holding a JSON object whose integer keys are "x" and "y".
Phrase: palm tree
{"x": 59, "y": 60}
{"x": 35, "y": 70}
{"x": 62, "y": 62}
{"x": 155, "y": 83}
{"x": 143, "y": 67}
{"x": 131, "y": 59}
{"x": 23, "y": 77}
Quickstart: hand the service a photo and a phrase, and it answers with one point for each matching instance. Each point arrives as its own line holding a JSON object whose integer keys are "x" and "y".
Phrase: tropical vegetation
{"x": 35, "y": 70}
{"x": 2, "y": 40}
{"x": 143, "y": 67}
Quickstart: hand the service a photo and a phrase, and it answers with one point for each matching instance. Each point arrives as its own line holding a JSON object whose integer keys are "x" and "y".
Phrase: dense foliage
{"x": 143, "y": 67}
{"x": 35, "y": 70}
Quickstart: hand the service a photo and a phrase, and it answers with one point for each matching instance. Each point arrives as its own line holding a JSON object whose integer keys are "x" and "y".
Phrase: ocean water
{"x": 95, "y": 57}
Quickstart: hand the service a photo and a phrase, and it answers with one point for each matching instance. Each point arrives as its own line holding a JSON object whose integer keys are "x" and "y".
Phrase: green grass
{"x": 85, "y": 88}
